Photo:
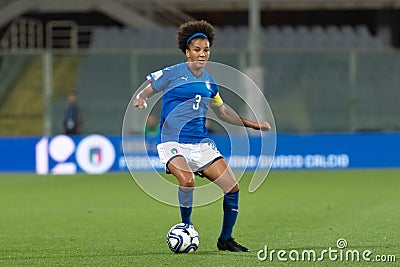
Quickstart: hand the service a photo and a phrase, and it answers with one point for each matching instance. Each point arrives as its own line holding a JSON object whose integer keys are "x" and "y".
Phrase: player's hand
{"x": 264, "y": 126}
{"x": 139, "y": 103}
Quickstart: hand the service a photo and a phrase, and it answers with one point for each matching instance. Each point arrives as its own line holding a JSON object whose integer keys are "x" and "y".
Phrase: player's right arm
{"x": 140, "y": 99}
{"x": 158, "y": 81}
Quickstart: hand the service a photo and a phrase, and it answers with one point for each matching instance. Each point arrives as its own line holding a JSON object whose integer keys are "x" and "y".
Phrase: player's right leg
{"x": 172, "y": 155}
{"x": 179, "y": 167}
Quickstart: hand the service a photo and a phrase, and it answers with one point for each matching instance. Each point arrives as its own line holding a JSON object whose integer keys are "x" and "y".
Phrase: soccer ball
{"x": 182, "y": 238}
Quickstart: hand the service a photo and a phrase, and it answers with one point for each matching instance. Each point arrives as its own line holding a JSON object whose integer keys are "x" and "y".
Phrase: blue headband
{"x": 197, "y": 34}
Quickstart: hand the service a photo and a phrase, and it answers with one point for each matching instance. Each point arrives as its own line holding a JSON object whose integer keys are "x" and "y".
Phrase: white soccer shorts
{"x": 198, "y": 156}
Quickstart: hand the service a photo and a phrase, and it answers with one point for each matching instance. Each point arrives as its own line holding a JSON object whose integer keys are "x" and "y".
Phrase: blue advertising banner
{"x": 96, "y": 154}
{"x": 17, "y": 154}
{"x": 341, "y": 150}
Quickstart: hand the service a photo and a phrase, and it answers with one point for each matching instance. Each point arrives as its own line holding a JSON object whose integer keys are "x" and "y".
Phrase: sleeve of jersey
{"x": 216, "y": 101}
{"x": 158, "y": 79}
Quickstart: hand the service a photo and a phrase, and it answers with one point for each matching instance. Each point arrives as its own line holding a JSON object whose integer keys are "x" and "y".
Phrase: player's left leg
{"x": 221, "y": 174}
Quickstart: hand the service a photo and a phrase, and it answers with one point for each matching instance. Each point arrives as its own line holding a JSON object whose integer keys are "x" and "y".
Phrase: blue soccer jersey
{"x": 185, "y": 102}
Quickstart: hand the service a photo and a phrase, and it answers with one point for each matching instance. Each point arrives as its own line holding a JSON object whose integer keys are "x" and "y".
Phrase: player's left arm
{"x": 228, "y": 115}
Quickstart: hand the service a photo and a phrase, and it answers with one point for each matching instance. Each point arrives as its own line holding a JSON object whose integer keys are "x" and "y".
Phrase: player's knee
{"x": 187, "y": 184}
{"x": 187, "y": 181}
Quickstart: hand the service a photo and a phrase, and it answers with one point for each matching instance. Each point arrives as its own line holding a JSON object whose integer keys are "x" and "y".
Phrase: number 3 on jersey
{"x": 197, "y": 99}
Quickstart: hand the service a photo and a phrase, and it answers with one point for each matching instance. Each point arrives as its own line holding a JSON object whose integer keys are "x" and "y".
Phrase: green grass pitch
{"x": 106, "y": 220}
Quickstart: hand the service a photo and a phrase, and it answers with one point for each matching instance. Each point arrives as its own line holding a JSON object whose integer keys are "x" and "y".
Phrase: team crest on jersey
{"x": 174, "y": 151}
{"x": 208, "y": 85}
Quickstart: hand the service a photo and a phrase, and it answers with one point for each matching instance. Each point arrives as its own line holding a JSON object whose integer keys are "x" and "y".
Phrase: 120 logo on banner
{"x": 94, "y": 154}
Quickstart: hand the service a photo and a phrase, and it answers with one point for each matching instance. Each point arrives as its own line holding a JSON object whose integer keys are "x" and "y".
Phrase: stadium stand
{"x": 104, "y": 92}
{"x": 273, "y": 37}
{"x": 319, "y": 80}
{"x": 378, "y": 92}
{"x": 9, "y": 68}
{"x": 307, "y": 62}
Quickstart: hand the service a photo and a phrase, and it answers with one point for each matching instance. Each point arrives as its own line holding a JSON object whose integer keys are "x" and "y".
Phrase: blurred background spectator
{"x": 151, "y": 127}
{"x": 73, "y": 120}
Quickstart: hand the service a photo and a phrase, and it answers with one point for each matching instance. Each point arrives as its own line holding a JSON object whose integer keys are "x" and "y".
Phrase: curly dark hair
{"x": 189, "y": 28}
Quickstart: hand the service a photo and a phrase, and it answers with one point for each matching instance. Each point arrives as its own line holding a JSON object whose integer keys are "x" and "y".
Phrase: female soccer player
{"x": 183, "y": 145}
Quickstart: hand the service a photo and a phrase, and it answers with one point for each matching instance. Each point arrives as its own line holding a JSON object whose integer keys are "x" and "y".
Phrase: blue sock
{"x": 231, "y": 205}
{"x": 185, "y": 197}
